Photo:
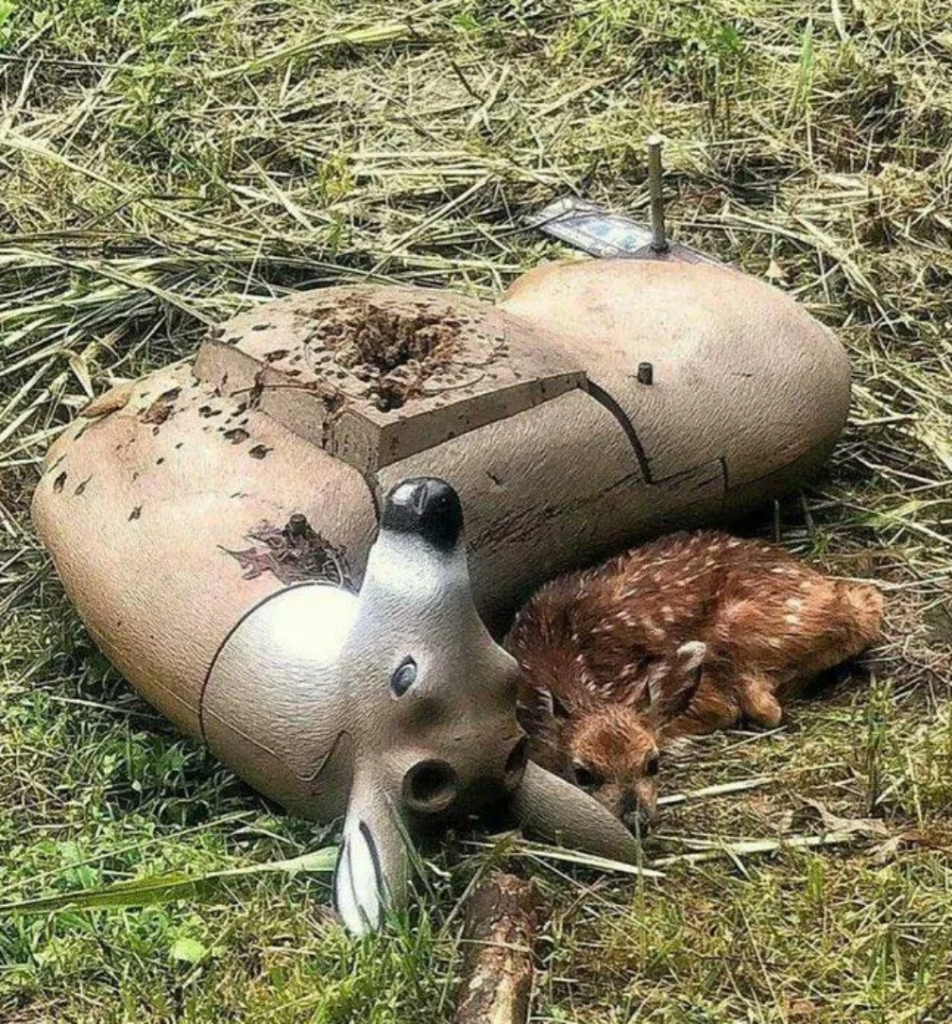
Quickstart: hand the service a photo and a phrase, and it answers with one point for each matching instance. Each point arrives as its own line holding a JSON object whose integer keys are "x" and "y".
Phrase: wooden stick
{"x": 498, "y": 965}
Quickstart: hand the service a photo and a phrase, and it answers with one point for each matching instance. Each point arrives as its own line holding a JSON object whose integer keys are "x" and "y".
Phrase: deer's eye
{"x": 585, "y": 777}
{"x": 404, "y": 676}
{"x": 653, "y": 765}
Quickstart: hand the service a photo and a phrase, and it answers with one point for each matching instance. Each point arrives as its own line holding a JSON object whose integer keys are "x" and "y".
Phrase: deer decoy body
{"x": 214, "y": 522}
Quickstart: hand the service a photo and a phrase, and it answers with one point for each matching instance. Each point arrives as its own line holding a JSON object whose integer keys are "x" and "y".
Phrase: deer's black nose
{"x": 427, "y": 507}
{"x": 633, "y": 815}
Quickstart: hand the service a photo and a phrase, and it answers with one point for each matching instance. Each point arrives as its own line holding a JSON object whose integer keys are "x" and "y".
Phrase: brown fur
{"x": 685, "y": 635}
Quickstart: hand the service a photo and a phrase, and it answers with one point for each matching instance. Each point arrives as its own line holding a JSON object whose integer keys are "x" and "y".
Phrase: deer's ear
{"x": 537, "y": 704}
{"x": 551, "y": 704}
{"x": 672, "y": 696}
{"x": 372, "y": 863}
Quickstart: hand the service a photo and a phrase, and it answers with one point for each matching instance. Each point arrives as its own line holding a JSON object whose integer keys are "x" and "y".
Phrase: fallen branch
{"x": 498, "y": 966}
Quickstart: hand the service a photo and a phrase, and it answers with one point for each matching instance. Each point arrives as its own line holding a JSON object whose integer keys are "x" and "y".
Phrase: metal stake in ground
{"x": 659, "y": 241}
{"x": 613, "y": 236}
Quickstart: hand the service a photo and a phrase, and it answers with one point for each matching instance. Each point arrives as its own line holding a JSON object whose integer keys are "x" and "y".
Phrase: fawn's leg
{"x": 791, "y": 631}
{"x": 843, "y": 625}
{"x": 722, "y": 704}
{"x": 715, "y": 706}
{"x": 757, "y": 701}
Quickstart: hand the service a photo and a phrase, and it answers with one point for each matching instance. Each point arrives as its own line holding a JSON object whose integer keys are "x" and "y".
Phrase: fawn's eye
{"x": 404, "y": 676}
{"x": 653, "y": 765}
{"x": 585, "y": 777}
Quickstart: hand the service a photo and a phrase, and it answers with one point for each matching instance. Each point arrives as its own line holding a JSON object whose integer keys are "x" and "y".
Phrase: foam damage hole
{"x": 160, "y": 410}
{"x": 393, "y": 350}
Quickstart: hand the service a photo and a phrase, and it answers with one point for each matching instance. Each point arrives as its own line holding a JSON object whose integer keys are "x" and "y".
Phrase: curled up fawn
{"x": 685, "y": 635}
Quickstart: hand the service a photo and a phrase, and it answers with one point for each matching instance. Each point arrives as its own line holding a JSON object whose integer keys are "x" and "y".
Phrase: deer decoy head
{"x": 395, "y": 703}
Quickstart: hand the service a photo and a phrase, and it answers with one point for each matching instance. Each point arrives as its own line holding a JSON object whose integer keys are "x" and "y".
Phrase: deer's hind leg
{"x": 842, "y": 623}
{"x": 723, "y": 702}
{"x": 791, "y": 630}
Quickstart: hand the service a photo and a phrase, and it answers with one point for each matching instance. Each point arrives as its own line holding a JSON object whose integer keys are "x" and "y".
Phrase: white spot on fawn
{"x": 791, "y": 619}
{"x": 793, "y": 603}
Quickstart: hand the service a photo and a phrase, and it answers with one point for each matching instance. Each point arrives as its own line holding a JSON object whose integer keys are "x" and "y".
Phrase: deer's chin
{"x": 647, "y": 793}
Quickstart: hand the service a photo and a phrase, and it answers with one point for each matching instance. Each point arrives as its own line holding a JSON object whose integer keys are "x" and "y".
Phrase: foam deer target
{"x": 259, "y": 539}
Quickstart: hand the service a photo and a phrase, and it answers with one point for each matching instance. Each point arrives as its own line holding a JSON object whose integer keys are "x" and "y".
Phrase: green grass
{"x": 164, "y": 163}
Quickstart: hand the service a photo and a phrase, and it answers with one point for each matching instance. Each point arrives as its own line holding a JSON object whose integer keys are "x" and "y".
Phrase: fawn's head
{"x": 612, "y": 749}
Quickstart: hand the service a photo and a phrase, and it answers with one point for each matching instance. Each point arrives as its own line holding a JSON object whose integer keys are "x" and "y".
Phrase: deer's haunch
{"x": 685, "y": 635}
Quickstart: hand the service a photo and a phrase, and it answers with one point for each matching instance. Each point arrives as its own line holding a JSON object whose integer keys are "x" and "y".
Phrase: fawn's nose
{"x": 427, "y": 507}
{"x": 635, "y": 817}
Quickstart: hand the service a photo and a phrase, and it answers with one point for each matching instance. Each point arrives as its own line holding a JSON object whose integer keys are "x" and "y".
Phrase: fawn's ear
{"x": 538, "y": 704}
{"x": 671, "y": 694}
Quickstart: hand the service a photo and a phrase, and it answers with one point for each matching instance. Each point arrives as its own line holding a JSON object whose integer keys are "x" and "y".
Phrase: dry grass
{"x": 164, "y": 163}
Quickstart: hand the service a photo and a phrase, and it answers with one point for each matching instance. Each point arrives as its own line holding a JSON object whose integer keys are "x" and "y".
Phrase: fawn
{"x": 685, "y": 635}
